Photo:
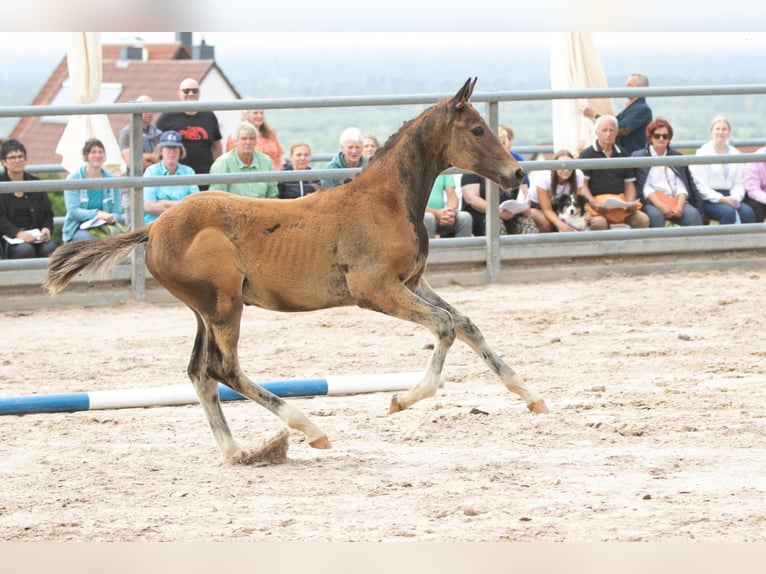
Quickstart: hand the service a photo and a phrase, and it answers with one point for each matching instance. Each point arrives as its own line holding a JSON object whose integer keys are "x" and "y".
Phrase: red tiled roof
{"x": 165, "y": 66}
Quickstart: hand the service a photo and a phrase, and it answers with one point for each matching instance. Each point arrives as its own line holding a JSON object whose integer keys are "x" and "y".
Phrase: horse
{"x": 363, "y": 243}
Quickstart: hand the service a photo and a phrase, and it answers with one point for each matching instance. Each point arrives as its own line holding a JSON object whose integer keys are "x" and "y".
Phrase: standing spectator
{"x": 244, "y": 159}
{"x": 150, "y": 137}
{"x": 442, "y": 215}
{"x": 632, "y": 120}
{"x": 755, "y": 187}
{"x": 158, "y": 199}
{"x": 26, "y": 218}
{"x": 668, "y": 193}
{"x": 370, "y": 145}
{"x": 722, "y": 185}
{"x": 350, "y": 155}
{"x": 300, "y": 158}
{"x": 200, "y": 130}
{"x": 268, "y": 142}
{"x": 548, "y": 186}
{"x": 601, "y": 183}
{"x": 91, "y": 213}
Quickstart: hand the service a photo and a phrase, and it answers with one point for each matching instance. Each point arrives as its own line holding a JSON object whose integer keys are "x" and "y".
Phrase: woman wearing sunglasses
{"x": 670, "y": 196}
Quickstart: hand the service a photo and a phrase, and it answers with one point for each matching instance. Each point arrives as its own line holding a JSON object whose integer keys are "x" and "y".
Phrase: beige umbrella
{"x": 575, "y": 64}
{"x": 84, "y": 64}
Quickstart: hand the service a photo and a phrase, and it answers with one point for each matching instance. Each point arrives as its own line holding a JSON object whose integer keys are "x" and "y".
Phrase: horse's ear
{"x": 464, "y": 94}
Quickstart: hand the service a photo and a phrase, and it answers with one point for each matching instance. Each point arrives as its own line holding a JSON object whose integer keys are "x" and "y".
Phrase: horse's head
{"x": 473, "y": 146}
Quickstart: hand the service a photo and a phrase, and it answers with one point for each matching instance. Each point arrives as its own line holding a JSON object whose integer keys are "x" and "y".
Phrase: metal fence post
{"x": 492, "y": 216}
{"x": 136, "y": 208}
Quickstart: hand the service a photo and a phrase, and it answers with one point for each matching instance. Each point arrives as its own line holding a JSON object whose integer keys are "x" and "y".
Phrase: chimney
{"x": 185, "y": 38}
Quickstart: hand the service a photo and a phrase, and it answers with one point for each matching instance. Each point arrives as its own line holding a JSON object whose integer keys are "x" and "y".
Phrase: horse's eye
{"x": 478, "y": 131}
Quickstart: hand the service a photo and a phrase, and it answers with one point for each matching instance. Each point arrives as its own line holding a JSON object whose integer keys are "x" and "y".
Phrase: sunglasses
{"x": 190, "y": 90}
{"x": 661, "y": 136}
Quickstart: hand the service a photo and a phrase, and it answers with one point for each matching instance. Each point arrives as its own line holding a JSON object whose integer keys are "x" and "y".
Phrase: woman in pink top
{"x": 267, "y": 143}
{"x": 755, "y": 187}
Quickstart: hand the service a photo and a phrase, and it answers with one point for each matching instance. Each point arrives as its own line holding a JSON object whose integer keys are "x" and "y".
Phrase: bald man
{"x": 200, "y": 131}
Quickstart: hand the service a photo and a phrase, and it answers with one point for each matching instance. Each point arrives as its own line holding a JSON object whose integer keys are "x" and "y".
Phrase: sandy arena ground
{"x": 657, "y": 430}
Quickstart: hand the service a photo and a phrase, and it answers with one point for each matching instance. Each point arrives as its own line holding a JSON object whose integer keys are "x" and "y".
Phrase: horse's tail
{"x": 98, "y": 254}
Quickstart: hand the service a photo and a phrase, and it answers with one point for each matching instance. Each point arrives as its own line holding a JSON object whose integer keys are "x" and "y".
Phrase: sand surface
{"x": 657, "y": 429}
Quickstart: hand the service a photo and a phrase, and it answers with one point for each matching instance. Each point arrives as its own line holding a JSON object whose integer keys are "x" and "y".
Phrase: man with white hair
{"x": 349, "y": 156}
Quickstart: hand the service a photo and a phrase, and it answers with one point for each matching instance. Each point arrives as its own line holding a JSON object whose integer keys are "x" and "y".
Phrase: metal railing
{"x": 488, "y": 253}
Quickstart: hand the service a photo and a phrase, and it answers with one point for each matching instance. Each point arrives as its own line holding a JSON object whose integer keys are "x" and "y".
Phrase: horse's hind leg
{"x": 223, "y": 365}
{"x": 207, "y": 392}
{"x": 469, "y": 333}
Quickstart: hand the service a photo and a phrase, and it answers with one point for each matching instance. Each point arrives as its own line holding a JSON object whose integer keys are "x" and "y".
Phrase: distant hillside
{"x": 276, "y": 75}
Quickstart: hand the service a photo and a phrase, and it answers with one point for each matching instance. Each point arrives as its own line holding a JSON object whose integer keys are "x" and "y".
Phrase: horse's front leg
{"x": 396, "y": 300}
{"x": 469, "y": 333}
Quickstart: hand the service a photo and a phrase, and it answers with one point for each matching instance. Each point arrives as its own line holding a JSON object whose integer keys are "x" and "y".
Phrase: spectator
{"x": 150, "y": 137}
{"x": 91, "y": 213}
{"x": 442, "y": 215}
{"x": 632, "y": 120}
{"x": 598, "y": 184}
{"x": 158, "y": 199}
{"x": 26, "y": 218}
{"x": 473, "y": 188}
{"x": 505, "y": 135}
{"x": 755, "y": 188}
{"x": 200, "y": 130}
{"x": 370, "y": 145}
{"x": 244, "y": 159}
{"x": 349, "y": 156}
{"x": 300, "y": 158}
{"x": 268, "y": 142}
{"x": 722, "y": 185}
{"x": 668, "y": 193}
{"x": 548, "y": 186}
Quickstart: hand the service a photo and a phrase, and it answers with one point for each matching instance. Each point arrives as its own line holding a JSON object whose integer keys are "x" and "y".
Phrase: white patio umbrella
{"x": 84, "y": 64}
{"x": 575, "y": 64}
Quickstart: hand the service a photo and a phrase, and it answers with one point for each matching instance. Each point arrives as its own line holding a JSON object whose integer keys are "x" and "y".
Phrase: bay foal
{"x": 363, "y": 243}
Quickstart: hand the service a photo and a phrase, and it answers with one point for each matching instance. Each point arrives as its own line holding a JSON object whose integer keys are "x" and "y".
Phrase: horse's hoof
{"x": 394, "y": 407}
{"x": 321, "y": 442}
{"x": 538, "y": 407}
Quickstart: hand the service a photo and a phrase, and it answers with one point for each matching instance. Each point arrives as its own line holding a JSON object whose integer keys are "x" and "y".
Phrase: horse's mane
{"x": 393, "y": 139}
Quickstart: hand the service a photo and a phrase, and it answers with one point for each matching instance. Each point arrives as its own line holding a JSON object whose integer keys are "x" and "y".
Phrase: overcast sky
{"x": 350, "y": 44}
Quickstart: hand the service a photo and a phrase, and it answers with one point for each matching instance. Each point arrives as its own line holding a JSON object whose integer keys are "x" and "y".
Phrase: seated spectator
{"x": 599, "y": 184}
{"x": 370, "y": 145}
{"x": 299, "y": 160}
{"x": 158, "y": 199}
{"x": 91, "y": 213}
{"x": 722, "y": 185}
{"x": 548, "y": 186}
{"x": 442, "y": 216}
{"x": 349, "y": 156}
{"x": 755, "y": 187}
{"x": 668, "y": 193}
{"x": 244, "y": 159}
{"x": 473, "y": 188}
{"x": 26, "y": 218}
{"x": 268, "y": 142}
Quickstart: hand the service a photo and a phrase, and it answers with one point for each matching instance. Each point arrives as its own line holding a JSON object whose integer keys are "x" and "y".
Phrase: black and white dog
{"x": 571, "y": 210}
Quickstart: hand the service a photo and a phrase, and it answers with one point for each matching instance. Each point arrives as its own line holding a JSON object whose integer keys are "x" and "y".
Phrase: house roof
{"x": 158, "y": 75}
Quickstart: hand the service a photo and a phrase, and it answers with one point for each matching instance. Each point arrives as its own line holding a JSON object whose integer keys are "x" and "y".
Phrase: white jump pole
{"x": 185, "y": 394}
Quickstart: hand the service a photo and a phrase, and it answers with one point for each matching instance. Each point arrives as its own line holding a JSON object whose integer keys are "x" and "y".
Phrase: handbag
{"x": 665, "y": 199}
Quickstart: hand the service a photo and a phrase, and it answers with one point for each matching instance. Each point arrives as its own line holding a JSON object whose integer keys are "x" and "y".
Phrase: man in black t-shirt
{"x": 200, "y": 131}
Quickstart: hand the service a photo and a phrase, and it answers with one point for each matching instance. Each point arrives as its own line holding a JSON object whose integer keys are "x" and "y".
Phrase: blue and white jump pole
{"x": 185, "y": 394}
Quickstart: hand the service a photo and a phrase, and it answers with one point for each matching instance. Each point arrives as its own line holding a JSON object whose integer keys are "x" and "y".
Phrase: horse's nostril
{"x": 519, "y": 174}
